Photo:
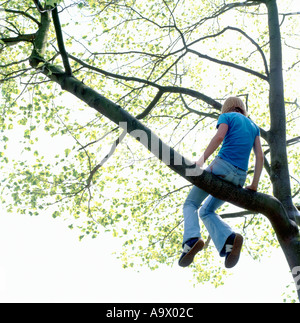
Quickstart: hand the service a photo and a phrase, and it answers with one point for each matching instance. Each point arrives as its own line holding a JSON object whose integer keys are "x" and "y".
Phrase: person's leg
{"x": 193, "y": 202}
{"x": 190, "y": 213}
{"x": 218, "y": 230}
{"x": 227, "y": 242}
{"x": 192, "y": 242}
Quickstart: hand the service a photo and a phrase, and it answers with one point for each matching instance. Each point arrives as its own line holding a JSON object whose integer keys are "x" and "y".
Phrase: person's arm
{"x": 259, "y": 163}
{"x": 214, "y": 144}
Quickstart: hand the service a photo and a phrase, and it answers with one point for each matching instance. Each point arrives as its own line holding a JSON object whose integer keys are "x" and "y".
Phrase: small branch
{"x": 229, "y": 216}
{"x": 236, "y": 214}
{"x": 14, "y": 74}
{"x": 207, "y": 242}
{"x": 95, "y": 141}
{"x": 256, "y": 45}
{"x": 165, "y": 89}
{"x": 233, "y": 65}
{"x": 202, "y": 114}
{"x": 289, "y": 142}
{"x": 23, "y": 13}
{"x": 241, "y": 32}
{"x": 105, "y": 159}
{"x": 151, "y": 105}
{"x": 14, "y": 63}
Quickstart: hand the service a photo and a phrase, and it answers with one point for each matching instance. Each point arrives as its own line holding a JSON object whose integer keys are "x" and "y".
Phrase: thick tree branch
{"x": 255, "y": 202}
{"x": 41, "y": 38}
{"x": 15, "y": 40}
{"x": 60, "y": 41}
{"x": 38, "y": 5}
{"x": 277, "y": 133}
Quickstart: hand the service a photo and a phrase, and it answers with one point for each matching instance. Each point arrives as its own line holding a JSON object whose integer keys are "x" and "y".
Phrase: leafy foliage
{"x": 52, "y": 148}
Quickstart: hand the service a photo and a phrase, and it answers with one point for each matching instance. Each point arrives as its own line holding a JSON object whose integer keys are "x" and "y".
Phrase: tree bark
{"x": 277, "y": 135}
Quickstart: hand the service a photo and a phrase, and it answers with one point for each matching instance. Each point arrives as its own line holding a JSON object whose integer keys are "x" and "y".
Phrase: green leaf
{"x": 67, "y": 152}
{"x": 55, "y": 214}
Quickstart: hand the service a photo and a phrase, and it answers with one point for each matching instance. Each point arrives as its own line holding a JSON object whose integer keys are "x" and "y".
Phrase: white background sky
{"x": 41, "y": 260}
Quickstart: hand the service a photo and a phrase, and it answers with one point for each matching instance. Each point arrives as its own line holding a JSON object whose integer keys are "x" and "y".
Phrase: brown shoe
{"x": 190, "y": 250}
{"x": 233, "y": 251}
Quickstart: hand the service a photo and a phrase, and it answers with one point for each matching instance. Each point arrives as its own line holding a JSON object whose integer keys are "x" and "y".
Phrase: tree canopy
{"x": 162, "y": 65}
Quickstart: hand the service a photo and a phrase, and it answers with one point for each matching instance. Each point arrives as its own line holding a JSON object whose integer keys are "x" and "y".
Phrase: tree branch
{"x": 164, "y": 89}
{"x": 236, "y": 214}
{"x": 41, "y": 38}
{"x": 105, "y": 159}
{"x": 241, "y": 32}
{"x": 153, "y": 103}
{"x": 60, "y": 41}
{"x": 254, "y": 202}
{"x": 233, "y": 65}
{"x": 21, "y": 38}
{"x": 199, "y": 113}
{"x": 255, "y": 44}
{"x": 23, "y": 13}
{"x": 39, "y": 6}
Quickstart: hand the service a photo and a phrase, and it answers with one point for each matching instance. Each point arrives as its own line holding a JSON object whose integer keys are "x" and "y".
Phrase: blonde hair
{"x": 234, "y": 104}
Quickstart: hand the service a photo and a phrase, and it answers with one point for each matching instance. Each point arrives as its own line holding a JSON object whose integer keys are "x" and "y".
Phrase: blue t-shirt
{"x": 239, "y": 139}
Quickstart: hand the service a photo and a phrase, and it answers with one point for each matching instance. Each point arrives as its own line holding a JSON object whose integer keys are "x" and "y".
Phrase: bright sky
{"x": 41, "y": 260}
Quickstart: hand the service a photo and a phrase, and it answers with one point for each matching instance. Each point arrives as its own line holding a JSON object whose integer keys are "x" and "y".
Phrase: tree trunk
{"x": 277, "y": 135}
{"x": 277, "y": 140}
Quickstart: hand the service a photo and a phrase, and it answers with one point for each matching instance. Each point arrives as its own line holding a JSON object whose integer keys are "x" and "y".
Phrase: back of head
{"x": 234, "y": 104}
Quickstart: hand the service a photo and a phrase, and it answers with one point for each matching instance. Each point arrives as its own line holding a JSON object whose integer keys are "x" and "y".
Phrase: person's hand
{"x": 251, "y": 187}
{"x": 200, "y": 162}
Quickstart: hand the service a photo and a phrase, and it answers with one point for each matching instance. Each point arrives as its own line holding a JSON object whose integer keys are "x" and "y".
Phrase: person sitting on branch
{"x": 239, "y": 135}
